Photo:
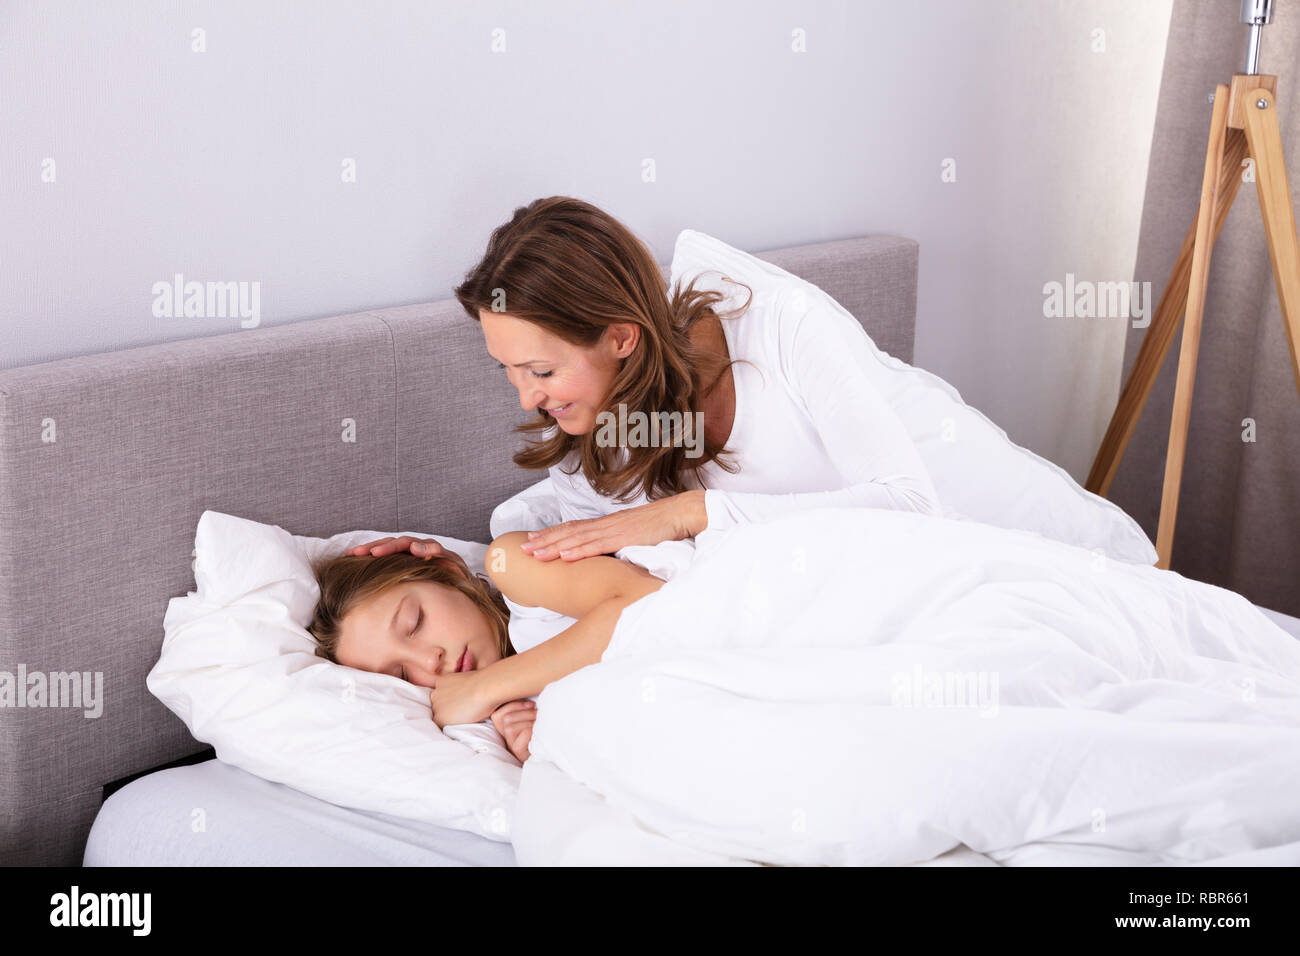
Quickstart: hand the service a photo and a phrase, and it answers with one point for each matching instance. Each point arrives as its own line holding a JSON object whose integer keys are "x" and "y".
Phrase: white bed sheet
{"x": 1285, "y": 621}
{"x": 248, "y": 821}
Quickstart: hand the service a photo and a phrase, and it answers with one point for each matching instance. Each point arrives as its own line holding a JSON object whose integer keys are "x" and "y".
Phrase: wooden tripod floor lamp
{"x": 1243, "y": 123}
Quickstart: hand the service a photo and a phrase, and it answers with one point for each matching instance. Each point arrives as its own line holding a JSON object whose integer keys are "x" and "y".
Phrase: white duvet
{"x": 865, "y": 686}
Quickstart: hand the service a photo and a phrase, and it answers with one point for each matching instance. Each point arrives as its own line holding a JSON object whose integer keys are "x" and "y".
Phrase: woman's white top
{"x": 810, "y": 429}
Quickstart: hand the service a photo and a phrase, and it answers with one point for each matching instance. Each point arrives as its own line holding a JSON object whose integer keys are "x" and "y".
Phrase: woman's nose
{"x": 530, "y": 398}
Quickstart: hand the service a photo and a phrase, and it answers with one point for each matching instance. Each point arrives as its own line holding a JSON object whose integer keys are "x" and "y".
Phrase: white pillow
{"x": 239, "y": 667}
{"x": 978, "y": 472}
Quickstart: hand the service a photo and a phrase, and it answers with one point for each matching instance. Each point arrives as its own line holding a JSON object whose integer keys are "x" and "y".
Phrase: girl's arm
{"x": 528, "y": 673}
{"x": 593, "y": 590}
{"x": 571, "y": 588}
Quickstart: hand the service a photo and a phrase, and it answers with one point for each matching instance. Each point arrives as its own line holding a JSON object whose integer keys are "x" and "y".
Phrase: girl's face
{"x": 417, "y": 630}
{"x": 568, "y": 381}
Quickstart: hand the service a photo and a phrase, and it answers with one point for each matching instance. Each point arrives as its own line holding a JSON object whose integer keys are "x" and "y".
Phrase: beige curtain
{"x": 1239, "y": 508}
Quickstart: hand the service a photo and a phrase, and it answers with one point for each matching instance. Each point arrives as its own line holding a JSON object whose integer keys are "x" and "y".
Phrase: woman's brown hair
{"x": 574, "y": 270}
{"x": 347, "y": 580}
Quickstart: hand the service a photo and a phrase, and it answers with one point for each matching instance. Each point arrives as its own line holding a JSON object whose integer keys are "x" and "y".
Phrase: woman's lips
{"x": 561, "y": 411}
{"x": 465, "y": 662}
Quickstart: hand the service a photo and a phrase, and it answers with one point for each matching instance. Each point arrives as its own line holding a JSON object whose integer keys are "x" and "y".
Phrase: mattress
{"x": 214, "y": 814}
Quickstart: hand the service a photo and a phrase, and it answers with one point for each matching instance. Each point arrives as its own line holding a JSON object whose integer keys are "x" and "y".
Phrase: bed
{"x": 107, "y": 462}
{"x": 147, "y": 821}
{"x": 558, "y": 820}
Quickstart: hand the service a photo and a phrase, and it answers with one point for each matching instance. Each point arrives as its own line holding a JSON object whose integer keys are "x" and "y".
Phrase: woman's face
{"x": 568, "y": 381}
{"x": 417, "y": 630}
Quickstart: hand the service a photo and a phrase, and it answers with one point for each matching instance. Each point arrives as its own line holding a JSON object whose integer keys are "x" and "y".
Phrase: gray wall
{"x": 226, "y": 165}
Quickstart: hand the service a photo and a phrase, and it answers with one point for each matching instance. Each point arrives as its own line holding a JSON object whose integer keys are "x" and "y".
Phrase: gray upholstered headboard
{"x": 107, "y": 462}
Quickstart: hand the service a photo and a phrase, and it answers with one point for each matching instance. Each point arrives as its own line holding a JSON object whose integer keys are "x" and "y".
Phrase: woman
{"x": 572, "y": 305}
{"x": 435, "y": 624}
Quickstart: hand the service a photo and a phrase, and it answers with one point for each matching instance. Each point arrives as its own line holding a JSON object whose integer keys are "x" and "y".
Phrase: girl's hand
{"x": 458, "y": 699}
{"x": 420, "y": 547}
{"x": 668, "y": 519}
{"x": 514, "y": 721}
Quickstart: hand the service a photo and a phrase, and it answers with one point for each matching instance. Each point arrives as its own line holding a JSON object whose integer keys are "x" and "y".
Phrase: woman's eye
{"x": 535, "y": 374}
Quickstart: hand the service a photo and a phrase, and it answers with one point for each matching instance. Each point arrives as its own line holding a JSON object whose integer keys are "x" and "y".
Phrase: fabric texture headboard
{"x": 107, "y": 461}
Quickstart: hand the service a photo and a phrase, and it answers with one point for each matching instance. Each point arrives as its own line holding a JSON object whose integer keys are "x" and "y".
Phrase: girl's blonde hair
{"x": 347, "y": 580}
{"x": 574, "y": 270}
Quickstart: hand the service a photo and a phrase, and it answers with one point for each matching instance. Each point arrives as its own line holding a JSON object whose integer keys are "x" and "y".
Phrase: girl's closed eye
{"x": 419, "y": 619}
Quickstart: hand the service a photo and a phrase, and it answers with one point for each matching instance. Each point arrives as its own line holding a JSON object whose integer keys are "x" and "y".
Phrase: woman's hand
{"x": 459, "y": 699}
{"x": 514, "y": 721}
{"x": 420, "y": 547}
{"x": 668, "y": 519}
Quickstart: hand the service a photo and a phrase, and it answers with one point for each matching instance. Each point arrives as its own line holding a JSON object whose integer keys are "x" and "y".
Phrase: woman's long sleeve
{"x": 824, "y": 358}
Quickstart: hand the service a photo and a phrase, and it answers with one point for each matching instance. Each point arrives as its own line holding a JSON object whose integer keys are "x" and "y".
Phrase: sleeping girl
{"x": 430, "y": 621}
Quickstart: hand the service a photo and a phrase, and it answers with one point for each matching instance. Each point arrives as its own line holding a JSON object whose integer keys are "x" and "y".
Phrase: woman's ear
{"x": 623, "y": 336}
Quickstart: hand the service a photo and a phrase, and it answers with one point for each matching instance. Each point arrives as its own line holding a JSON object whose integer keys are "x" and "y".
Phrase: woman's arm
{"x": 825, "y": 357}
